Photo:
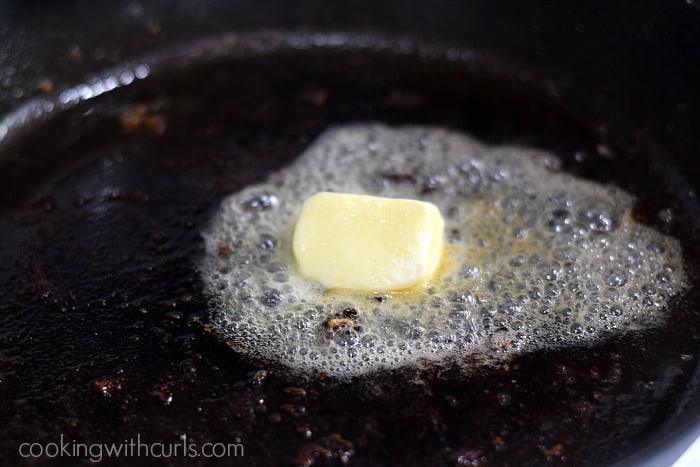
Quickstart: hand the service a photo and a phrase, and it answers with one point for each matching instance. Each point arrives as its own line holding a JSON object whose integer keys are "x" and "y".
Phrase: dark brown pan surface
{"x": 104, "y": 323}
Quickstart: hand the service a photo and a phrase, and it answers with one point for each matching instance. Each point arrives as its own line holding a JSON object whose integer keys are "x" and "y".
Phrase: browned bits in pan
{"x": 141, "y": 118}
{"x": 335, "y": 323}
{"x": 107, "y": 386}
{"x": 45, "y": 86}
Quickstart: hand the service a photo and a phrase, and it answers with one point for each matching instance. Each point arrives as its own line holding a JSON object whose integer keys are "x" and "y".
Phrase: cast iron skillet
{"x": 145, "y": 118}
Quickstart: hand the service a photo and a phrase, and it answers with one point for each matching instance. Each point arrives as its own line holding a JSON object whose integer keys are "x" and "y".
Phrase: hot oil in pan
{"x": 104, "y": 320}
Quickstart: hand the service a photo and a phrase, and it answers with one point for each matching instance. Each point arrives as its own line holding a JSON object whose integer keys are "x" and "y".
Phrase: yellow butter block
{"x": 367, "y": 242}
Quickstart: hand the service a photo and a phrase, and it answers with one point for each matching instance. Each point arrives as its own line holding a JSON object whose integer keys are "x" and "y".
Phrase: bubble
{"x": 345, "y": 338}
{"x": 535, "y": 259}
{"x": 615, "y": 278}
{"x": 272, "y": 299}
{"x": 599, "y": 217}
{"x": 260, "y": 202}
{"x": 266, "y": 241}
{"x": 369, "y": 340}
{"x": 558, "y": 221}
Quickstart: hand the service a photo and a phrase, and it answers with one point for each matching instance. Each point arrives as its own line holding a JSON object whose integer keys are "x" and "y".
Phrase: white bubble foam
{"x": 536, "y": 259}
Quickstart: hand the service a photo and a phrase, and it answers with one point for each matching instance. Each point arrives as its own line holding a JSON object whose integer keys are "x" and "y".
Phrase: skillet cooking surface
{"x": 103, "y": 321}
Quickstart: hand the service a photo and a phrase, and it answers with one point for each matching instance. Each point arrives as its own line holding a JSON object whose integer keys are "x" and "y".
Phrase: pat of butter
{"x": 367, "y": 242}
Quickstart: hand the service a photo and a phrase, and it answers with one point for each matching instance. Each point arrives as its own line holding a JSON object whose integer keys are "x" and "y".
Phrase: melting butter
{"x": 366, "y": 242}
{"x": 535, "y": 259}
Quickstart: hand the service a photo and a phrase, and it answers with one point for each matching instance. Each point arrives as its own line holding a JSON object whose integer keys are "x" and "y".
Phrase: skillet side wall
{"x": 608, "y": 59}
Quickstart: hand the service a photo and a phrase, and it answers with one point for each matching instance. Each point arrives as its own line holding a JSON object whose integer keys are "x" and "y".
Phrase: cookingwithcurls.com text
{"x": 131, "y": 447}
